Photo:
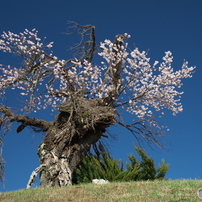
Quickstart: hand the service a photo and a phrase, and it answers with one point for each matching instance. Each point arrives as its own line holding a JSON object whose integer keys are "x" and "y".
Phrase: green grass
{"x": 168, "y": 190}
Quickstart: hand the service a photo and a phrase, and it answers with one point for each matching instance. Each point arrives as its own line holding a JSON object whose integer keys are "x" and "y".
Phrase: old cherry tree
{"x": 87, "y": 95}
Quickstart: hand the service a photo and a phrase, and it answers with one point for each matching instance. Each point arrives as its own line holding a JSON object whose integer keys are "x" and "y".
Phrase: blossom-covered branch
{"x": 46, "y": 80}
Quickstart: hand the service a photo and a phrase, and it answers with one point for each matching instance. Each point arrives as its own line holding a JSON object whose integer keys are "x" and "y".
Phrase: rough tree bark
{"x": 79, "y": 124}
{"x": 74, "y": 130}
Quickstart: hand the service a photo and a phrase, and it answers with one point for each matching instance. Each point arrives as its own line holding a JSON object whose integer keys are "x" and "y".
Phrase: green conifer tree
{"x": 103, "y": 166}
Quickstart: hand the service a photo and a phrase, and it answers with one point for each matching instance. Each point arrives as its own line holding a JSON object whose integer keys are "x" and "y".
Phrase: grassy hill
{"x": 169, "y": 190}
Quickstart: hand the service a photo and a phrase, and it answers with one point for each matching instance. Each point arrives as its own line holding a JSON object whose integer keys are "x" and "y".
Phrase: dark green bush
{"x": 106, "y": 167}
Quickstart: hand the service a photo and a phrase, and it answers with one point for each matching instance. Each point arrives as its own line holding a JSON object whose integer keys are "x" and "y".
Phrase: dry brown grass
{"x": 170, "y": 190}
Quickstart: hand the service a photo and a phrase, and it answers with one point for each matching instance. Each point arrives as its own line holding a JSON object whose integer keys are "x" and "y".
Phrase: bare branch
{"x": 87, "y": 49}
{"x": 126, "y": 102}
{"x": 2, "y": 162}
{"x": 26, "y": 121}
{"x": 139, "y": 130}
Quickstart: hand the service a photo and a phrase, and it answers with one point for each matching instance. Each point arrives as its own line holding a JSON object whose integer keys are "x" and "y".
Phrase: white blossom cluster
{"x": 46, "y": 80}
{"x": 147, "y": 86}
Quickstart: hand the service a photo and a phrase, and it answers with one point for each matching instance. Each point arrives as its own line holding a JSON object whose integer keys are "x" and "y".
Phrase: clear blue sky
{"x": 155, "y": 25}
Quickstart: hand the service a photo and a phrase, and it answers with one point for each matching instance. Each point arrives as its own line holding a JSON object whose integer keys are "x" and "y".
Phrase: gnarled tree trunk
{"x": 78, "y": 125}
